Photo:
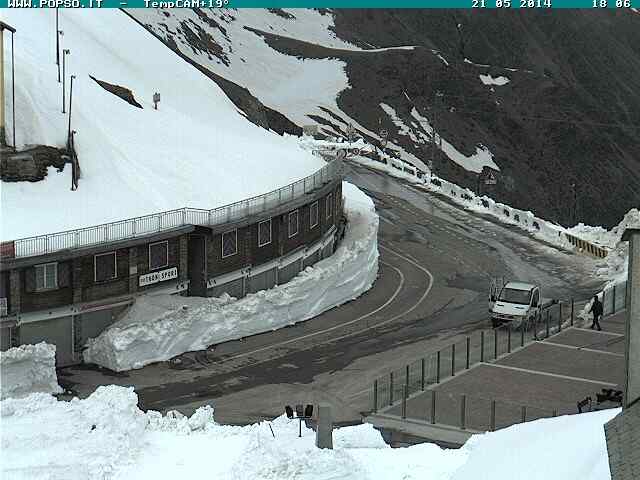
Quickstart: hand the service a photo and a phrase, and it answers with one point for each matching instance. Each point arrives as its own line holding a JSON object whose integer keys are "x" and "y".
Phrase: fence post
{"x": 509, "y": 339}
{"x": 391, "y": 389}
{"x": 438, "y": 367}
{"x": 572, "y": 309}
{"x": 555, "y": 412}
{"x": 468, "y": 349}
{"x": 524, "y": 413}
{"x": 613, "y": 300}
{"x": 433, "y": 407}
{"x": 493, "y": 416}
{"x": 560, "y": 317}
{"x": 604, "y": 292}
{"x": 375, "y": 396}
{"x": 495, "y": 343}
{"x": 404, "y": 402}
{"x": 422, "y": 373}
{"x": 482, "y": 346}
{"x": 406, "y": 378}
{"x": 463, "y": 412}
{"x": 522, "y": 335}
{"x": 453, "y": 359}
{"x": 547, "y": 323}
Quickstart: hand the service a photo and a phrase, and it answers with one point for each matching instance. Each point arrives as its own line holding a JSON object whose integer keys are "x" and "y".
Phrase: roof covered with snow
{"x": 196, "y": 150}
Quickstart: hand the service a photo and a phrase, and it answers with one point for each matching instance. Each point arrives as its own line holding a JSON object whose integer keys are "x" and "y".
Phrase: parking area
{"x": 541, "y": 379}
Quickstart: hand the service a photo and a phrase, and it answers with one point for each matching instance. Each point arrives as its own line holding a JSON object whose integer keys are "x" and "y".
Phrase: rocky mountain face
{"x": 551, "y": 99}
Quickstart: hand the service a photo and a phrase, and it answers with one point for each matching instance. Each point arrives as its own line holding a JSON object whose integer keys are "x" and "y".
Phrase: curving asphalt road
{"x": 436, "y": 262}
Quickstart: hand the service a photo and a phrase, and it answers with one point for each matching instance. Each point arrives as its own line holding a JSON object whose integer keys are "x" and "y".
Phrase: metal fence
{"x": 474, "y": 412}
{"x": 158, "y": 222}
{"x": 614, "y": 298}
{"x": 481, "y": 346}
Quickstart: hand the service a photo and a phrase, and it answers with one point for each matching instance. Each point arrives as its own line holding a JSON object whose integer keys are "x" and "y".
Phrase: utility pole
{"x": 65, "y": 52}
{"x": 59, "y": 34}
{"x": 58, "y": 42}
{"x": 3, "y": 141}
{"x": 70, "y": 100}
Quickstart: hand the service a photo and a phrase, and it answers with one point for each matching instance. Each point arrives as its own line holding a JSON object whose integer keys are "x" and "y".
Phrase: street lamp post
{"x": 59, "y": 35}
{"x": 58, "y": 43}
{"x": 70, "y": 100}
{"x": 3, "y": 27}
{"x": 65, "y": 52}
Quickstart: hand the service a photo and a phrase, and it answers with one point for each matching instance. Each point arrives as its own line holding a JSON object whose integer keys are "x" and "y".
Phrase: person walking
{"x": 596, "y": 309}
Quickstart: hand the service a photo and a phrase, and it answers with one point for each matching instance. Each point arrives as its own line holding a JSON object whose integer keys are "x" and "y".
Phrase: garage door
{"x": 5, "y": 338}
{"x": 288, "y": 272}
{"x": 58, "y": 332}
{"x": 262, "y": 281}
{"x": 311, "y": 259}
{"x": 235, "y": 288}
{"x": 93, "y": 324}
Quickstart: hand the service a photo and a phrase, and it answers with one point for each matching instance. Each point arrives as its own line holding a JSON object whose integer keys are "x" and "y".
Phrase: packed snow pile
{"x": 616, "y": 263}
{"x": 107, "y": 436}
{"x": 196, "y": 150}
{"x": 160, "y": 327}
{"x": 489, "y": 80}
{"x": 28, "y": 369}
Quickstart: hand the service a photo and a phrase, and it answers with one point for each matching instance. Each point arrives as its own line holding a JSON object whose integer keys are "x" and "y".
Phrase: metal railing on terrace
{"x": 163, "y": 221}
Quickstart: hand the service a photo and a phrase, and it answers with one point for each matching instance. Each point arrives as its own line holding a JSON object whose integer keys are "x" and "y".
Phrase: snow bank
{"x": 28, "y": 369}
{"x": 567, "y": 447}
{"x": 489, "y": 80}
{"x": 81, "y": 439}
{"x": 107, "y": 436}
{"x": 160, "y": 327}
{"x": 617, "y": 260}
{"x": 196, "y": 150}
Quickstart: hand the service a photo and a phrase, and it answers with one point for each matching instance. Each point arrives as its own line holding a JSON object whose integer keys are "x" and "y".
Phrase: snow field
{"x": 107, "y": 436}
{"x": 28, "y": 369}
{"x": 160, "y": 327}
{"x": 197, "y": 150}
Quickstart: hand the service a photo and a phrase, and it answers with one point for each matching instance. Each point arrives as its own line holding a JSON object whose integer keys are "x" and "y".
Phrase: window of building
{"x": 104, "y": 267}
{"x": 313, "y": 214}
{"x": 264, "y": 233}
{"x": 46, "y": 276}
{"x": 329, "y": 205}
{"x": 229, "y": 243}
{"x": 158, "y": 255}
{"x": 293, "y": 223}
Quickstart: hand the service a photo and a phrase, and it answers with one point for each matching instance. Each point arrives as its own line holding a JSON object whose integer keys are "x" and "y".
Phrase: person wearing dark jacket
{"x": 596, "y": 309}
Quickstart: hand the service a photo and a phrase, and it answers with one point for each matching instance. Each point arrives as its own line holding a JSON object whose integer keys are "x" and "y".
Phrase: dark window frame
{"x": 43, "y": 267}
{"x": 317, "y": 208}
{"x": 115, "y": 267}
{"x": 262, "y": 244}
{"x": 166, "y": 247}
{"x": 329, "y": 206}
{"x": 297, "y": 214}
{"x": 235, "y": 232}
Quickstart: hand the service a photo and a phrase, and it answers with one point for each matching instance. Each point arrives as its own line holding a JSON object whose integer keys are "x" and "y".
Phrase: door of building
{"x": 197, "y": 265}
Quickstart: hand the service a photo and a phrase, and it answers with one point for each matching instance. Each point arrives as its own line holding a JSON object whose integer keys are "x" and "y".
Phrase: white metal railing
{"x": 158, "y": 222}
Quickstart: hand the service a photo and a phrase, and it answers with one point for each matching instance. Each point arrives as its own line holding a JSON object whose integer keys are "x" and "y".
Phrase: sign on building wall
{"x": 155, "y": 277}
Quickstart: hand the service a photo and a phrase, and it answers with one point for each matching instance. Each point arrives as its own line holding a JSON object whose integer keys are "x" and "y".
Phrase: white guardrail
{"x": 158, "y": 222}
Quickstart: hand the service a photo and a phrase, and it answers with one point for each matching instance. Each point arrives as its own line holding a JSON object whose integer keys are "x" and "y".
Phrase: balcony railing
{"x": 163, "y": 221}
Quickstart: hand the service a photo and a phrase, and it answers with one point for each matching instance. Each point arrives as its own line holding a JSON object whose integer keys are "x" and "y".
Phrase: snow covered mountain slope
{"x": 196, "y": 150}
{"x": 553, "y": 124}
